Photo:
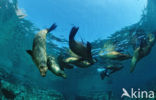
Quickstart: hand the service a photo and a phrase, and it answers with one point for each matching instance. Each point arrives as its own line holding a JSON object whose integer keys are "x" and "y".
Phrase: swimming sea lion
{"x": 54, "y": 67}
{"x": 142, "y": 50}
{"x": 78, "y": 62}
{"x": 38, "y": 52}
{"x": 114, "y": 55}
{"x": 114, "y": 68}
{"x": 103, "y": 72}
{"x": 78, "y": 48}
{"x": 110, "y": 69}
{"x": 62, "y": 63}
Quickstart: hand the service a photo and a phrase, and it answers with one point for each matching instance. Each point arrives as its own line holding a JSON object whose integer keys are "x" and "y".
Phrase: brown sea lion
{"x": 54, "y": 67}
{"x": 78, "y": 62}
{"x": 142, "y": 50}
{"x": 68, "y": 61}
{"x": 114, "y": 55}
{"x": 38, "y": 52}
{"x": 83, "y": 51}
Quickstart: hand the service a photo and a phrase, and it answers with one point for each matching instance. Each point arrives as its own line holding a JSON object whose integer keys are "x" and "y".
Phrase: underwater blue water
{"x": 97, "y": 20}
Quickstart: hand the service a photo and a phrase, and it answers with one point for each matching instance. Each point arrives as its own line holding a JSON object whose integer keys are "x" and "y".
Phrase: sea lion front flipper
{"x": 52, "y": 27}
{"x": 49, "y": 62}
{"x": 133, "y": 64}
{"x": 134, "y": 60}
{"x": 29, "y": 52}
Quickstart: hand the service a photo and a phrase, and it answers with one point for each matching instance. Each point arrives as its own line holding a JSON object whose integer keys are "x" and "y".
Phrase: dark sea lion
{"x": 115, "y": 68}
{"x": 110, "y": 69}
{"x": 54, "y": 67}
{"x": 114, "y": 55}
{"x": 142, "y": 50}
{"x": 78, "y": 48}
{"x": 38, "y": 52}
{"x": 103, "y": 72}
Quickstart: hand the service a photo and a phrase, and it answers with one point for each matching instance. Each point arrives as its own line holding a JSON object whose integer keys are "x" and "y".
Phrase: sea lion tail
{"x": 73, "y": 33}
{"x": 52, "y": 27}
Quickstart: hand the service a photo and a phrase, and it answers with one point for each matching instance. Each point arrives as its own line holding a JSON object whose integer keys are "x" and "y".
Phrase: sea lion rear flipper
{"x": 73, "y": 33}
{"x": 52, "y": 27}
{"x": 29, "y": 52}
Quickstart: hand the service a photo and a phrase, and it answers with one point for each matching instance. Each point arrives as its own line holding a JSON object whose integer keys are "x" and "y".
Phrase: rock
{"x": 10, "y": 91}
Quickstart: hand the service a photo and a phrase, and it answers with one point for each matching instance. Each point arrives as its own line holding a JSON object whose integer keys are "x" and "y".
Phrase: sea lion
{"x": 62, "y": 63}
{"x": 78, "y": 62}
{"x": 114, "y": 68}
{"x": 114, "y": 55}
{"x": 110, "y": 69}
{"x": 143, "y": 50}
{"x": 78, "y": 48}
{"x": 54, "y": 67}
{"x": 38, "y": 52}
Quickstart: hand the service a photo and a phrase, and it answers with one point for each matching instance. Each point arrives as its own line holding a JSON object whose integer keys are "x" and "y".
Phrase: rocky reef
{"x": 11, "y": 90}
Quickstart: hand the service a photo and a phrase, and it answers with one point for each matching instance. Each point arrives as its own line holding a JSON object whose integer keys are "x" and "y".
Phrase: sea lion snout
{"x": 43, "y": 70}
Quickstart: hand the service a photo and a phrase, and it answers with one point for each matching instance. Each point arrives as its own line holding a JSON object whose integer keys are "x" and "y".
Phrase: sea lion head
{"x": 43, "y": 70}
{"x": 57, "y": 71}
